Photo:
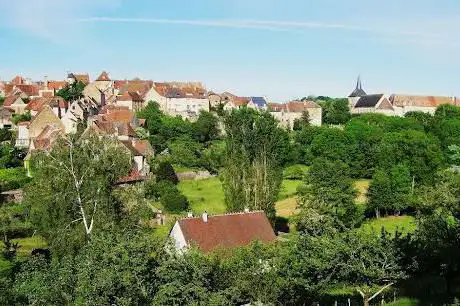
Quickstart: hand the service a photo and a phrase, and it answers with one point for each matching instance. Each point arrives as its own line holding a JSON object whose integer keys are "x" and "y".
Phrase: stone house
{"x": 377, "y": 103}
{"x": 287, "y": 113}
{"x": 57, "y": 104}
{"x": 46, "y": 116}
{"x": 15, "y": 103}
{"x": 179, "y": 99}
{"x": 75, "y": 77}
{"x": 225, "y": 231}
{"x": 427, "y": 104}
{"x": 259, "y": 103}
{"x": 130, "y": 99}
{"x": 6, "y": 118}
{"x": 233, "y": 102}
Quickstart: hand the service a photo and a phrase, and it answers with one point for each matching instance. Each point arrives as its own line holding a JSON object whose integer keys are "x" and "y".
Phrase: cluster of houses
{"x": 394, "y": 104}
{"x": 108, "y": 107}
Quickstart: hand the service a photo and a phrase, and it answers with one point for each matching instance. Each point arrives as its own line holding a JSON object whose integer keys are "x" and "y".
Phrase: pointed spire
{"x": 358, "y": 83}
{"x": 358, "y": 92}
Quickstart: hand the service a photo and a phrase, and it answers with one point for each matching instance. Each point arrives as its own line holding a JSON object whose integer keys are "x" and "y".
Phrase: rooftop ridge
{"x": 223, "y": 215}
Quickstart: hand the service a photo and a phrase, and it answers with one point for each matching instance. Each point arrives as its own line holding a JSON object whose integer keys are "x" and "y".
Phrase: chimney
{"x": 45, "y": 81}
{"x": 189, "y": 214}
{"x": 102, "y": 99}
{"x": 205, "y": 217}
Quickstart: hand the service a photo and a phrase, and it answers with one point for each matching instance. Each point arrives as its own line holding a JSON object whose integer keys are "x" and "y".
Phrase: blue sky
{"x": 279, "y": 48}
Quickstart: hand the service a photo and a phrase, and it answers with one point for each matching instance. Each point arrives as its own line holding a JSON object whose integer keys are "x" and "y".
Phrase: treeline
{"x": 398, "y": 154}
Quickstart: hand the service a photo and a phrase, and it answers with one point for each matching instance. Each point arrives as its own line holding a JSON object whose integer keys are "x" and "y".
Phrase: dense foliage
{"x": 252, "y": 173}
{"x": 71, "y": 193}
{"x": 72, "y": 91}
{"x": 21, "y": 118}
{"x": 122, "y": 259}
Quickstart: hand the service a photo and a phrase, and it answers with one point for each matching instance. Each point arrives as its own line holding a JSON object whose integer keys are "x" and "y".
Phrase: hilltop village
{"x": 140, "y": 192}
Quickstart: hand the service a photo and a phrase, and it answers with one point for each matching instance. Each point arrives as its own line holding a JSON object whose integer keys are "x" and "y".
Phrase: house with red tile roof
{"x": 141, "y": 87}
{"x": 185, "y": 99}
{"x": 410, "y": 103}
{"x": 222, "y": 231}
{"x": 15, "y": 103}
{"x": 75, "y": 77}
{"x": 58, "y": 105}
{"x": 287, "y": 113}
{"x": 130, "y": 99}
{"x": 232, "y": 101}
{"x": 18, "y": 80}
{"x": 55, "y": 86}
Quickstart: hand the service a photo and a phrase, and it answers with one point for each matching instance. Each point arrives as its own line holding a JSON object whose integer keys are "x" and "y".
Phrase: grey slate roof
{"x": 259, "y": 101}
{"x": 368, "y": 101}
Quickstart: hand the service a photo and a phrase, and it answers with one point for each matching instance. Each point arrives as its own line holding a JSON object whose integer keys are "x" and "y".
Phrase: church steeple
{"x": 358, "y": 92}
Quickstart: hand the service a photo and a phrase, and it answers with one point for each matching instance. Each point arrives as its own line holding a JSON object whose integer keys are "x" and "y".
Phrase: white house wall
{"x": 178, "y": 237}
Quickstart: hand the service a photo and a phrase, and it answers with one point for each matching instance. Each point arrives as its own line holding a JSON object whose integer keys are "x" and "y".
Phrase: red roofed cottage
{"x": 227, "y": 231}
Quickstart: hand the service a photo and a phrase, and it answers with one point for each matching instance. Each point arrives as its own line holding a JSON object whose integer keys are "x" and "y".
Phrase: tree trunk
{"x": 366, "y": 301}
{"x": 448, "y": 279}
{"x": 377, "y": 213}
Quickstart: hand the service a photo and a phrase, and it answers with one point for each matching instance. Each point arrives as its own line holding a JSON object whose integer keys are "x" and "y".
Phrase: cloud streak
{"x": 204, "y": 23}
{"x": 300, "y": 27}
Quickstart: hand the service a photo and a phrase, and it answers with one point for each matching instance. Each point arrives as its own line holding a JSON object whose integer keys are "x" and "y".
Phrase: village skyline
{"x": 278, "y": 49}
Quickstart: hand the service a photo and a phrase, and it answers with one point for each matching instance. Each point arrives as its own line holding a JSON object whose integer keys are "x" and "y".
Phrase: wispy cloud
{"x": 206, "y": 23}
{"x": 412, "y": 36}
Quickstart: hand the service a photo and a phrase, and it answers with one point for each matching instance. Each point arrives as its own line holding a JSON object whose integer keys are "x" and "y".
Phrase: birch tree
{"x": 71, "y": 191}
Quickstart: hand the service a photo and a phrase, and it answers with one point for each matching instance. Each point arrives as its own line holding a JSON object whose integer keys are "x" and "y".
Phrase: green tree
{"x": 446, "y": 112}
{"x": 364, "y": 142}
{"x": 172, "y": 199}
{"x": 72, "y": 92}
{"x": 421, "y": 152}
{"x": 252, "y": 166}
{"x": 164, "y": 171}
{"x": 21, "y": 118}
{"x": 185, "y": 151}
{"x": 302, "y": 122}
{"x": 447, "y": 132}
{"x": 368, "y": 261}
{"x": 423, "y": 118}
{"x": 71, "y": 192}
{"x": 390, "y": 191}
{"x": 5, "y": 134}
{"x": 437, "y": 245}
{"x": 329, "y": 189}
{"x": 112, "y": 268}
{"x": 206, "y": 127}
{"x": 335, "y": 111}
{"x": 332, "y": 143}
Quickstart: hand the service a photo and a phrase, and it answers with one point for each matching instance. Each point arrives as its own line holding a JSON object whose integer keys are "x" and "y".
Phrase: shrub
{"x": 165, "y": 172}
{"x": 295, "y": 172}
{"x": 13, "y": 178}
{"x": 172, "y": 200}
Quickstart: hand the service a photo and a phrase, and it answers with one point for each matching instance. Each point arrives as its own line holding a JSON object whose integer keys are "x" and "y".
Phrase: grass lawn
{"x": 208, "y": 195}
{"x": 26, "y": 245}
{"x": 286, "y": 208}
{"x": 204, "y": 195}
{"x": 406, "y": 224}
{"x": 288, "y": 189}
